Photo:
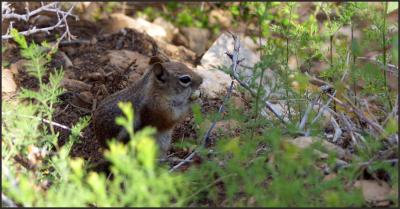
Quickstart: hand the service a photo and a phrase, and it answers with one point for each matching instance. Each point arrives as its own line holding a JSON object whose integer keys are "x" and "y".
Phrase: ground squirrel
{"x": 161, "y": 98}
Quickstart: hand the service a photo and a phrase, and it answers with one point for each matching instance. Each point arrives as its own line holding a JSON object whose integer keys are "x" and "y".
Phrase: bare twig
{"x": 8, "y": 14}
{"x": 220, "y": 110}
{"x": 43, "y": 120}
{"x": 349, "y": 127}
{"x": 389, "y": 67}
{"x": 305, "y": 117}
{"x": 36, "y": 30}
{"x": 392, "y": 114}
{"x": 360, "y": 114}
{"x": 334, "y": 93}
{"x": 338, "y": 130}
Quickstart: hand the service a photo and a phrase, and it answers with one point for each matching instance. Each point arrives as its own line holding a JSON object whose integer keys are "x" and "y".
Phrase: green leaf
{"x": 20, "y": 39}
{"x": 392, "y": 6}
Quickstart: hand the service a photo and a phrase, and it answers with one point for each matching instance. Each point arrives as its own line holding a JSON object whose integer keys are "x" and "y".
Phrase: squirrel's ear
{"x": 160, "y": 72}
{"x": 155, "y": 59}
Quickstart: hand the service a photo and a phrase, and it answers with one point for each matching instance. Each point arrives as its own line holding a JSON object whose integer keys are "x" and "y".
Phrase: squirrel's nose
{"x": 195, "y": 95}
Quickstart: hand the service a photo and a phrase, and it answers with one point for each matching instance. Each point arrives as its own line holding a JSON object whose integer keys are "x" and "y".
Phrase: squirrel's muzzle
{"x": 195, "y": 95}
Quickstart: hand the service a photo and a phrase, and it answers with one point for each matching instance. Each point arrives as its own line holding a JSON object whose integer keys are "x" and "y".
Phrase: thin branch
{"x": 392, "y": 114}
{"x": 360, "y": 114}
{"x": 35, "y": 30}
{"x": 43, "y": 120}
{"x": 338, "y": 130}
{"x": 334, "y": 93}
{"x": 26, "y": 17}
{"x": 220, "y": 110}
{"x": 305, "y": 117}
{"x": 349, "y": 127}
{"x": 187, "y": 159}
{"x": 60, "y": 24}
{"x": 389, "y": 66}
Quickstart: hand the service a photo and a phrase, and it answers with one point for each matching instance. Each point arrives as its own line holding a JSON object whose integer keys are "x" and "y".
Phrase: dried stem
{"x": 43, "y": 120}
{"x": 51, "y": 7}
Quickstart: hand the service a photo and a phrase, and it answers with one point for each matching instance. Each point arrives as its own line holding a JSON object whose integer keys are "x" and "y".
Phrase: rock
{"x": 197, "y": 39}
{"x": 118, "y": 21}
{"x": 168, "y": 27}
{"x": 95, "y": 76}
{"x": 215, "y": 55}
{"x": 124, "y": 58}
{"x": 293, "y": 65}
{"x": 178, "y": 53}
{"x": 180, "y": 40}
{"x": 220, "y": 17}
{"x": 373, "y": 191}
{"x": 216, "y": 81}
{"x": 304, "y": 142}
{"x": 68, "y": 73}
{"x": 253, "y": 44}
{"x": 75, "y": 85}
{"x": 67, "y": 61}
{"x": 238, "y": 102}
{"x": 86, "y": 96}
{"x": 18, "y": 66}
{"x": 8, "y": 84}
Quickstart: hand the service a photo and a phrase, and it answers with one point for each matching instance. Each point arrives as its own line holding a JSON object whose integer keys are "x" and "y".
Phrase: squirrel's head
{"x": 175, "y": 81}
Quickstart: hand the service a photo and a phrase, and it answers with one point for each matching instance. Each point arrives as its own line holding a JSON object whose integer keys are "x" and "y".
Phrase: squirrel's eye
{"x": 185, "y": 79}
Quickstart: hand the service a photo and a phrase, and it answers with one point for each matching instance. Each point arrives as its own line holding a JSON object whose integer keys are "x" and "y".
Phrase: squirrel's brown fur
{"x": 160, "y": 99}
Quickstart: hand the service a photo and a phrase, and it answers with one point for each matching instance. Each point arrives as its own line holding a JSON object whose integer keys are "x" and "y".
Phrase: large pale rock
{"x": 216, "y": 81}
{"x": 215, "y": 56}
{"x": 119, "y": 21}
{"x": 253, "y": 44}
{"x": 8, "y": 84}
